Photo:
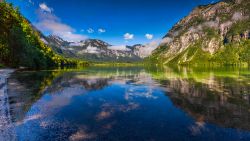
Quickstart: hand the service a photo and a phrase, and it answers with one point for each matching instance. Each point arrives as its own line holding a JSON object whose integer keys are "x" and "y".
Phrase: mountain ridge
{"x": 212, "y": 34}
{"x": 96, "y": 50}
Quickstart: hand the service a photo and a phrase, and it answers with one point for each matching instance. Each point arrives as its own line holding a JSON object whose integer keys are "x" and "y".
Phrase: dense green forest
{"x": 20, "y": 44}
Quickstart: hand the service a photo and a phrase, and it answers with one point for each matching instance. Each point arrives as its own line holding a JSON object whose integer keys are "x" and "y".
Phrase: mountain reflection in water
{"x": 131, "y": 104}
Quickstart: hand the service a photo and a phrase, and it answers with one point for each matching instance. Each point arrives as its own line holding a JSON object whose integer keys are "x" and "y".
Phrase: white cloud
{"x": 90, "y": 49}
{"x": 152, "y": 46}
{"x": 149, "y": 36}
{"x": 31, "y": 2}
{"x": 120, "y": 47}
{"x": 50, "y": 23}
{"x": 44, "y": 7}
{"x": 90, "y": 30}
{"x": 128, "y": 36}
{"x": 148, "y": 48}
{"x": 101, "y": 30}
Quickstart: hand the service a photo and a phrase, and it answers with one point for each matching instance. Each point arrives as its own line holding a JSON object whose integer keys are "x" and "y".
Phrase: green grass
{"x": 156, "y": 56}
{"x": 193, "y": 55}
{"x": 116, "y": 64}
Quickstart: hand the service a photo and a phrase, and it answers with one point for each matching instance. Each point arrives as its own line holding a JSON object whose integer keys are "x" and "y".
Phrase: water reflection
{"x": 25, "y": 88}
{"x": 131, "y": 104}
{"x": 220, "y": 96}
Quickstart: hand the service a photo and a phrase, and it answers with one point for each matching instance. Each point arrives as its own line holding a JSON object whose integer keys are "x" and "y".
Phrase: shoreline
{"x": 4, "y": 75}
{"x": 6, "y": 72}
{"x": 6, "y": 124}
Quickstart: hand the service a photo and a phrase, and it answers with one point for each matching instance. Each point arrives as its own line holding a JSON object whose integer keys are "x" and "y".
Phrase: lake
{"x": 127, "y": 104}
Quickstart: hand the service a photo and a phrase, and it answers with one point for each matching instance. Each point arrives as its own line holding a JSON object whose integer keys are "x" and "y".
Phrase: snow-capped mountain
{"x": 96, "y": 50}
{"x": 56, "y": 40}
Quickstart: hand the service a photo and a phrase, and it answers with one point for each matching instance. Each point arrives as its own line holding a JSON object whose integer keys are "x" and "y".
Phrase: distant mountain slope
{"x": 96, "y": 50}
{"x": 216, "y": 33}
{"x": 20, "y": 43}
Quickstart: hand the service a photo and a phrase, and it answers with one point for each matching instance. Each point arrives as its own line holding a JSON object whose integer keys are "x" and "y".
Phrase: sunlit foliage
{"x": 20, "y": 43}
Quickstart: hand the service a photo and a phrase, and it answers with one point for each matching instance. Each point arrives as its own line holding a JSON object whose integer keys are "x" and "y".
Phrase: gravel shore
{"x": 6, "y": 72}
{"x": 6, "y": 126}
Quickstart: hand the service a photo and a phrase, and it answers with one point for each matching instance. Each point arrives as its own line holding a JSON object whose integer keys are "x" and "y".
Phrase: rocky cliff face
{"x": 205, "y": 32}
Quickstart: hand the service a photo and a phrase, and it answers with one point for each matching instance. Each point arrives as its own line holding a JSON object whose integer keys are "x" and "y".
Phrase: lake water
{"x": 127, "y": 104}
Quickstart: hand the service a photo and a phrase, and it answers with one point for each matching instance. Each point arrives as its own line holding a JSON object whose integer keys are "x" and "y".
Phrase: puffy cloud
{"x": 90, "y": 30}
{"x": 149, "y": 36}
{"x": 101, "y": 30}
{"x": 149, "y": 48}
{"x": 44, "y": 7}
{"x": 91, "y": 50}
{"x": 50, "y": 23}
{"x": 120, "y": 47}
{"x": 128, "y": 36}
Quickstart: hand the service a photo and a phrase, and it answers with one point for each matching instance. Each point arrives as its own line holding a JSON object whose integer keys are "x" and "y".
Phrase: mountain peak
{"x": 205, "y": 32}
{"x": 55, "y": 37}
{"x": 95, "y": 42}
{"x": 56, "y": 40}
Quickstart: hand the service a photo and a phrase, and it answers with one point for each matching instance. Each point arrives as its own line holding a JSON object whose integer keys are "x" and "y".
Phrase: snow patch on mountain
{"x": 91, "y": 50}
{"x": 94, "y": 49}
{"x": 121, "y": 47}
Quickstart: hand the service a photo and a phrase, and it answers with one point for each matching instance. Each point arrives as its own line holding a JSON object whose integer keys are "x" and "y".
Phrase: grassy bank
{"x": 116, "y": 64}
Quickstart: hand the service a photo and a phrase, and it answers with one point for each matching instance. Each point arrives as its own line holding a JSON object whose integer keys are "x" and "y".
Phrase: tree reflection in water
{"x": 218, "y": 95}
{"x": 131, "y": 103}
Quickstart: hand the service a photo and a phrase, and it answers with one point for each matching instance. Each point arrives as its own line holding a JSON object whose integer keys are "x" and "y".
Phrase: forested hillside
{"x": 20, "y": 44}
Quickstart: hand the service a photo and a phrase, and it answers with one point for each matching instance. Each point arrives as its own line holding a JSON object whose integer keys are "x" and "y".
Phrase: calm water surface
{"x": 127, "y": 104}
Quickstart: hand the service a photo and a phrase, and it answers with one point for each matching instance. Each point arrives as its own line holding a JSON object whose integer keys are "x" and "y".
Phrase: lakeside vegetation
{"x": 117, "y": 64}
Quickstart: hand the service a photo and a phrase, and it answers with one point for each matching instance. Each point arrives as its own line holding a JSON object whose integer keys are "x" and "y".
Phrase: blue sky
{"x": 117, "y": 22}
